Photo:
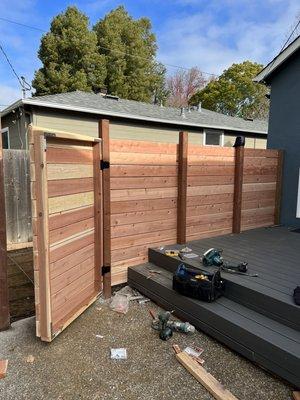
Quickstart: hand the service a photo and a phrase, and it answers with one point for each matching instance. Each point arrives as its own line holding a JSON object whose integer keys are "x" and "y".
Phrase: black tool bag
{"x": 186, "y": 281}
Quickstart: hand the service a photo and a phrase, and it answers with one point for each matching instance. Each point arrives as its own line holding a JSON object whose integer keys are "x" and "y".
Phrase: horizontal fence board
{"x": 140, "y": 194}
{"x": 259, "y": 178}
{"x": 118, "y": 207}
{"x": 209, "y": 234}
{"x": 69, "y": 202}
{"x": 203, "y": 190}
{"x": 62, "y": 219}
{"x": 70, "y": 261}
{"x": 258, "y": 187}
{"x": 266, "y": 153}
{"x": 143, "y": 216}
{"x": 142, "y": 182}
{"x": 60, "y": 155}
{"x": 144, "y": 238}
{"x": 69, "y": 171}
{"x": 210, "y": 160}
{"x": 204, "y": 180}
{"x": 210, "y": 151}
{"x": 136, "y": 146}
{"x": 143, "y": 227}
{"x": 209, "y": 219}
{"x": 58, "y": 283}
{"x": 209, "y": 199}
{"x": 141, "y": 158}
{"x": 259, "y": 203}
{"x": 194, "y": 211}
{"x": 68, "y": 231}
{"x": 200, "y": 228}
{"x": 210, "y": 170}
{"x": 143, "y": 170}
{"x": 69, "y": 186}
{"x": 72, "y": 305}
{"x": 260, "y": 162}
{"x": 61, "y": 251}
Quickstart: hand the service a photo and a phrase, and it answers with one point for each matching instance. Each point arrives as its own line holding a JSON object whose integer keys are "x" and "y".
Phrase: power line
{"x": 292, "y": 33}
{"x": 104, "y": 48}
{"x": 10, "y": 64}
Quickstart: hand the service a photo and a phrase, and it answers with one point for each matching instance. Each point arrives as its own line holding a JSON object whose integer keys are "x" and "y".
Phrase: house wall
{"x": 284, "y": 133}
{"x": 16, "y": 122}
{"x": 88, "y": 125}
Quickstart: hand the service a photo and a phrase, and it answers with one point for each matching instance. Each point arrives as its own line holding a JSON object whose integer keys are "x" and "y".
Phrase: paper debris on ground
{"x": 186, "y": 250}
{"x": 99, "y": 336}
{"x": 195, "y": 353}
{"x": 3, "y": 368}
{"x": 118, "y": 354}
{"x": 30, "y": 359}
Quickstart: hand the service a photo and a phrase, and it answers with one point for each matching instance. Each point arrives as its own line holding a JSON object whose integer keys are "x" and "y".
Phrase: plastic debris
{"x": 186, "y": 250}
{"x": 118, "y": 354}
{"x": 143, "y": 301}
{"x": 120, "y": 303}
{"x": 99, "y": 336}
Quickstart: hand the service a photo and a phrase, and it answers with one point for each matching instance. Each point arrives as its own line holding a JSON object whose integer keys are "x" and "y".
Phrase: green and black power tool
{"x": 213, "y": 258}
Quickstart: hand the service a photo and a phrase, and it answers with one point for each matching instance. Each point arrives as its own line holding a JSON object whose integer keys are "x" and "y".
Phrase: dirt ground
{"x": 77, "y": 364}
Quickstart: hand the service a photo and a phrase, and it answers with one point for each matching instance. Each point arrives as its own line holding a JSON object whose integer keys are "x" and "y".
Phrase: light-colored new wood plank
{"x": 207, "y": 180}
{"x": 69, "y": 202}
{"x": 3, "y": 368}
{"x": 268, "y": 153}
{"x": 69, "y": 171}
{"x": 205, "y": 378}
{"x": 209, "y": 199}
{"x": 53, "y": 133}
{"x": 206, "y": 209}
{"x": 214, "y": 170}
{"x": 259, "y": 187}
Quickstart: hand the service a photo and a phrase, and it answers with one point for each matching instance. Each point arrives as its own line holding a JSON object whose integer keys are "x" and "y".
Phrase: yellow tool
{"x": 172, "y": 253}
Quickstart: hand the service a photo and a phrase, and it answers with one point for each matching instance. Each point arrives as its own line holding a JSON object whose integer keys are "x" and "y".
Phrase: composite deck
{"x": 256, "y": 316}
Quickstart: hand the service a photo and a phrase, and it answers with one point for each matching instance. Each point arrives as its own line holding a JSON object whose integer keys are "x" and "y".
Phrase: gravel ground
{"x": 77, "y": 364}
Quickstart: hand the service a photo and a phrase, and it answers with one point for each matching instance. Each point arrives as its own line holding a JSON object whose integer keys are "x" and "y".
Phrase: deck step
{"x": 262, "y": 340}
{"x": 250, "y": 292}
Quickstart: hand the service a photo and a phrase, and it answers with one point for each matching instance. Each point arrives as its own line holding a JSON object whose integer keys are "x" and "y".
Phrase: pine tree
{"x": 129, "y": 48}
{"x": 70, "y": 56}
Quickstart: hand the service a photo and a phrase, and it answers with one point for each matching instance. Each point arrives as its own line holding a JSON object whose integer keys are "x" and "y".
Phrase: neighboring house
{"x": 282, "y": 74}
{"x": 79, "y": 112}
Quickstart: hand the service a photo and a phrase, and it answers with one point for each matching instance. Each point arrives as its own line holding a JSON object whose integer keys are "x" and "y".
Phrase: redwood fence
{"x": 154, "y": 194}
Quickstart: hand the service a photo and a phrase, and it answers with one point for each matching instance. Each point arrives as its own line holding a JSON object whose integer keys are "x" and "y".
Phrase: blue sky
{"x": 210, "y": 34}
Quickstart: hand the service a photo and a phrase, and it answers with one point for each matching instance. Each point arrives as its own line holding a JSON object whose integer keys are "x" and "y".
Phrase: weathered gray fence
{"x": 17, "y": 196}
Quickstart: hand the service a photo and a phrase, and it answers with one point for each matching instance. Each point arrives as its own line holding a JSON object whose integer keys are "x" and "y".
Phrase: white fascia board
{"x": 137, "y": 117}
{"x": 278, "y": 60}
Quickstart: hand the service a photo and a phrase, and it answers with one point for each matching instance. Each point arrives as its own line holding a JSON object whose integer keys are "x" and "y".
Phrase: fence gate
{"x": 67, "y": 226}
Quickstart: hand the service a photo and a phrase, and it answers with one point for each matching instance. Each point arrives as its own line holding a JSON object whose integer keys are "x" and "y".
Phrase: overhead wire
{"x": 105, "y": 48}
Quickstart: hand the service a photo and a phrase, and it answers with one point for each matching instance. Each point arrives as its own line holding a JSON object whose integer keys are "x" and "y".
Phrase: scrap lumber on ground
{"x": 296, "y": 395}
{"x": 205, "y": 378}
{"x": 3, "y": 368}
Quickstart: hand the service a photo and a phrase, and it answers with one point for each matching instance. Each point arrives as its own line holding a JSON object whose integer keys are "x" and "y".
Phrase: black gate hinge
{"x": 105, "y": 269}
{"x": 104, "y": 164}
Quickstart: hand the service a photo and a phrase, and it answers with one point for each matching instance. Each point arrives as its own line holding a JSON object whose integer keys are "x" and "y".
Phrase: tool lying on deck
{"x": 198, "y": 284}
{"x": 213, "y": 257}
{"x": 166, "y": 327}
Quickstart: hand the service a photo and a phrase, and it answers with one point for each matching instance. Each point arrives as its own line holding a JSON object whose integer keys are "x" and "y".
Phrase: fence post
{"x": 182, "y": 187}
{"x": 106, "y": 268}
{"x": 278, "y": 187}
{"x": 238, "y": 183}
{"x": 4, "y": 299}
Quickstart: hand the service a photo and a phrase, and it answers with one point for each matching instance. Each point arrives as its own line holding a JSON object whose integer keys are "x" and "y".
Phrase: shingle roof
{"x": 107, "y": 105}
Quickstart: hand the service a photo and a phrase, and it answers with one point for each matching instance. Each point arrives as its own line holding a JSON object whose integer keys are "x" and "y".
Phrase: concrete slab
{"x": 77, "y": 364}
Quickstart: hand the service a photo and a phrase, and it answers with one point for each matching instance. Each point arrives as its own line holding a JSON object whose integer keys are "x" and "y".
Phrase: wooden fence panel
{"x": 143, "y": 201}
{"x": 210, "y": 191}
{"x": 261, "y": 168}
{"x": 67, "y": 225}
{"x": 17, "y": 195}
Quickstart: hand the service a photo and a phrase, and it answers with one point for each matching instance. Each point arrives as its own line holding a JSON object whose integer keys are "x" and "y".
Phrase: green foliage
{"x": 129, "y": 48}
{"x": 234, "y": 93}
{"x": 70, "y": 56}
